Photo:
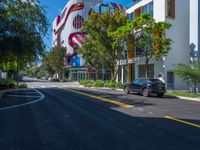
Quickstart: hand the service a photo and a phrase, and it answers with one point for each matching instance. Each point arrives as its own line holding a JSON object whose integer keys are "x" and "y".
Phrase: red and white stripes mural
{"x": 66, "y": 27}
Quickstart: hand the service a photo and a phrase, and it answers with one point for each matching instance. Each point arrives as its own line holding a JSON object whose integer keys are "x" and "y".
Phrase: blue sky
{"x": 53, "y": 8}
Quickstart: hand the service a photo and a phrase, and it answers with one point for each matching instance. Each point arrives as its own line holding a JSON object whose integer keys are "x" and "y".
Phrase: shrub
{"x": 99, "y": 83}
{"x": 89, "y": 85}
{"x": 23, "y": 85}
{"x": 85, "y": 82}
{"x": 82, "y": 82}
{"x": 7, "y": 83}
{"x": 119, "y": 85}
{"x": 110, "y": 84}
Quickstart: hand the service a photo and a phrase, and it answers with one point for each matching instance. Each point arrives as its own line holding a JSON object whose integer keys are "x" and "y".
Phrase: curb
{"x": 99, "y": 88}
{"x": 190, "y": 99}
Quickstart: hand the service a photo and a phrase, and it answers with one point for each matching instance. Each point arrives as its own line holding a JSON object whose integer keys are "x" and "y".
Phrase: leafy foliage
{"x": 7, "y": 83}
{"x": 145, "y": 35}
{"x": 23, "y": 25}
{"x": 53, "y": 61}
{"x": 98, "y": 50}
{"x": 189, "y": 73}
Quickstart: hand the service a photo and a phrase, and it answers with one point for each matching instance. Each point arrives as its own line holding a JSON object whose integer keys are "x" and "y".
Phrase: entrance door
{"x": 170, "y": 80}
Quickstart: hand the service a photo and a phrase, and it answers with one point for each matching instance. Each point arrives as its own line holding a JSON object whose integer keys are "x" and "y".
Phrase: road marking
{"x": 24, "y": 104}
{"x": 42, "y": 86}
{"x": 182, "y": 121}
{"x": 103, "y": 99}
{"x": 22, "y": 92}
{"x": 23, "y": 96}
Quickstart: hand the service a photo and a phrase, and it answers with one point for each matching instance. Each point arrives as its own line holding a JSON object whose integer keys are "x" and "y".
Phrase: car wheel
{"x": 160, "y": 94}
{"x": 145, "y": 92}
{"x": 126, "y": 90}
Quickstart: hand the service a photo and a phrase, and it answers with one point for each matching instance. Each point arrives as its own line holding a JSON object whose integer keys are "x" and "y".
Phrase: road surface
{"x": 51, "y": 118}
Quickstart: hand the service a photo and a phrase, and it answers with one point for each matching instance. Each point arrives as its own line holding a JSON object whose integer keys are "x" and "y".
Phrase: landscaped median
{"x": 101, "y": 84}
{"x": 10, "y": 84}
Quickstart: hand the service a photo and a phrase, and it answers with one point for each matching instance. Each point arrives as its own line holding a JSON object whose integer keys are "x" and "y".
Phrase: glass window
{"x": 142, "y": 71}
{"x": 148, "y": 9}
{"x": 151, "y": 9}
{"x": 141, "y": 81}
{"x": 136, "y": 81}
{"x": 145, "y": 9}
{"x": 131, "y": 16}
{"x": 170, "y": 8}
{"x": 170, "y": 80}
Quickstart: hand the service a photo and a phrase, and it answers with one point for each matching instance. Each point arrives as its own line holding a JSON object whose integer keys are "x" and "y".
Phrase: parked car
{"x": 146, "y": 87}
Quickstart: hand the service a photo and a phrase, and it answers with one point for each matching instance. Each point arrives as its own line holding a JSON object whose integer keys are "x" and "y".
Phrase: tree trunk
{"x": 17, "y": 71}
{"x": 146, "y": 69}
{"x": 195, "y": 87}
{"x": 113, "y": 73}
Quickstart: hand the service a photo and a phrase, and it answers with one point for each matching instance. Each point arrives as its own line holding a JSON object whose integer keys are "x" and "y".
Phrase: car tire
{"x": 126, "y": 90}
{"x": 160, "y": 94}
{"x": 145, "y": 92}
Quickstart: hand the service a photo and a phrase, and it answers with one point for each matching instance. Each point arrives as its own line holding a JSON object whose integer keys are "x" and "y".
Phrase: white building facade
{"x": 175, "y": 12}
{"x": 194, "y": 41}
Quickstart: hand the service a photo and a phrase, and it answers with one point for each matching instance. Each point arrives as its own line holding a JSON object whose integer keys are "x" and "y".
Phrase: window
{"x": 148, "y": 8}
{"x": 170, "y": 80}
{"x": 131, "y": 16}
{"x": 170, "y": 8}
{"x": 142, "y": 71}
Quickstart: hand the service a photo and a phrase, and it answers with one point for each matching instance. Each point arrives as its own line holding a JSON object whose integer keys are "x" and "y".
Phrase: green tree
{"x": 190, "y": 73}
{"x": 146, "y": 35}
{"x": 23, "y": 25}
{"x": 54, "y": 61}
{"x": 98, "y": 50}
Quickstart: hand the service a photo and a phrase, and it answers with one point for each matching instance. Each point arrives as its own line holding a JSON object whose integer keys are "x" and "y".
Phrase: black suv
{"x": 146, "y": 87}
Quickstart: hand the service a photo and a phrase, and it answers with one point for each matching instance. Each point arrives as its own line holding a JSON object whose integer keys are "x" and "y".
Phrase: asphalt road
{"x": 66, "y": 120}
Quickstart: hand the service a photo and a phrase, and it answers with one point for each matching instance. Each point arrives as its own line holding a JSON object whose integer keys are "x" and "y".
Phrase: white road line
{"x": 23, "y": 92}
{"x": 22, "y": 96}
{"x": 43, "y": 86}
{"x": 20, "y": 105}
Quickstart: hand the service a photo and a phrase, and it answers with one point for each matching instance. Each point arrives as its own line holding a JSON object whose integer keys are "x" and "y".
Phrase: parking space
{"x": 17, "y": 98}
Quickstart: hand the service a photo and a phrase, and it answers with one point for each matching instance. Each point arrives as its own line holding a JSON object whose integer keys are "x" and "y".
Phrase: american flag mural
{"x": 67, "y": 27}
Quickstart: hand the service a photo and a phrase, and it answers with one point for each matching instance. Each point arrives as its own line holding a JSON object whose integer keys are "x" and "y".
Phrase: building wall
{"x": 67, "y": 26}
{"x": 194, "y": 23}
{"x": 179, "y": 33}
{"x": 159, "y": 10}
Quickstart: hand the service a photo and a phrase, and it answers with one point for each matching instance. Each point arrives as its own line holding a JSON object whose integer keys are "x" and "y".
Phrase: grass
{"x": 183, "y": 94}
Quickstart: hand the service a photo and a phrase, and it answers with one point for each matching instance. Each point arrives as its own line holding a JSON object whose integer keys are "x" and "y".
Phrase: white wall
{"x": 179, "y": 33}
{"x": 159, "y": 10}
{"x": 194, "y": 23}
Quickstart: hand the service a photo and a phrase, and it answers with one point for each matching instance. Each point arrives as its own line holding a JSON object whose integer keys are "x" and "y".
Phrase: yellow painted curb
{"x": 103, "y": 99}
{"x": 182, "y": 121}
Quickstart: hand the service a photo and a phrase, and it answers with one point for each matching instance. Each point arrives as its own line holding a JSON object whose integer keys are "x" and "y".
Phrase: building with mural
{"x": 66, "y": 29}
{"x": 176, "y": 12}
{"x": 67, "y": 33}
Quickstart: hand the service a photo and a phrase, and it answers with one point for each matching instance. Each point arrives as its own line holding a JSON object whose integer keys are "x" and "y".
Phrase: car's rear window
{"x": 154, "y": 81}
